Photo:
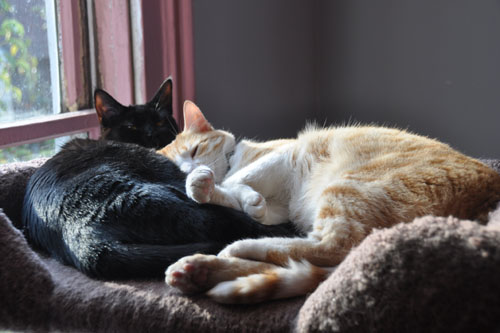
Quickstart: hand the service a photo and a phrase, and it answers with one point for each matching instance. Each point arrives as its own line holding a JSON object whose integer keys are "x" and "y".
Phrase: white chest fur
{"x": 276, "y": 176}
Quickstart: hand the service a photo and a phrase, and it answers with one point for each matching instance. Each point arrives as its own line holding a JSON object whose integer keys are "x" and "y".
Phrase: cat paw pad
{"x": 200, "y": 184}
{"x": 190, "y": 274}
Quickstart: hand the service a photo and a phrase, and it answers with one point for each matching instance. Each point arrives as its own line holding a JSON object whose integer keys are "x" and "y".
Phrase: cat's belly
{"x": 301, "y": 211}
{"x": 307, "y": 194}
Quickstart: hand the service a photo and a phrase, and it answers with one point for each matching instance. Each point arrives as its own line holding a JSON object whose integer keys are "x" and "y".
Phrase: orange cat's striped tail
{"x": 298, "y": 278}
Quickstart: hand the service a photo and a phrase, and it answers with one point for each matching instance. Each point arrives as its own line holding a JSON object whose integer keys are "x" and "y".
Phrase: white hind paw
{"x": 190, "y": 274}
{"x": 254, "y": 204}
{"x": 249, "y": 289}
{"x": 200, "y": 184}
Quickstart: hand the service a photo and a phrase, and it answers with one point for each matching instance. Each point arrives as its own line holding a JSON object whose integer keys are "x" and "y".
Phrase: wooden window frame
{"x": 81, "y": 25}
{"x": 107, "y": 44}
{"x": 72, "y": 34}
{"x": 49, "y": 127}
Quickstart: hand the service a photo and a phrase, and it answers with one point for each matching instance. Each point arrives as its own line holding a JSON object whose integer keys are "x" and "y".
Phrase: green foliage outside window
{"x": 28, "y": 152}
{"x": 24, "y": 89}
{"x": 18, "y": 67}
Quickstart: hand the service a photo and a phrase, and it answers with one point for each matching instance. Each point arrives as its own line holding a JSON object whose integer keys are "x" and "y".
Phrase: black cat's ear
{"x": 163, "y": 97}
{"x": 105, "y": 105}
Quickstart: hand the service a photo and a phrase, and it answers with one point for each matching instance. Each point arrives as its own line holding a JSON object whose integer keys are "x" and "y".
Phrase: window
{"x": 71, "y": 47}
{"x": 31, "y": 113}
{"x": 28, "y": 59}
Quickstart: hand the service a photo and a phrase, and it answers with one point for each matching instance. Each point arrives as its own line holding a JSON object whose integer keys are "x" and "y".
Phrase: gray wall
{"x": 254, "y": 65}
{"x": 265, "y": 66}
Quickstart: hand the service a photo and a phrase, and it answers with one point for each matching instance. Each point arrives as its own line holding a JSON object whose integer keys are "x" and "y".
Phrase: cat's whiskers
{"x": 174, "y": 131}
{"x": 214, "y": 161}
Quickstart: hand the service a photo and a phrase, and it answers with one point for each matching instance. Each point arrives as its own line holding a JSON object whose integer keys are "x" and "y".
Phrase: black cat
{"x": 150, "y": 125}
{"x": 118, "y": 210}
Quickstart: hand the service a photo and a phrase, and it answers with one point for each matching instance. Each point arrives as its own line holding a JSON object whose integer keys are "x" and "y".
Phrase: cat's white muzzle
{"x": 187, "y": 167}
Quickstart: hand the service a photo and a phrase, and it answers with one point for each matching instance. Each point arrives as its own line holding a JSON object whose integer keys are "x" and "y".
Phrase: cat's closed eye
{"x": 160, "y": 123}
{"x": 194, "y": 151}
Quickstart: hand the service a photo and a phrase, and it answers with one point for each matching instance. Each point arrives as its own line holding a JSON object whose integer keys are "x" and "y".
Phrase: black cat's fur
{"x": 116, "y": 210}
{"x": 150, "y": 125}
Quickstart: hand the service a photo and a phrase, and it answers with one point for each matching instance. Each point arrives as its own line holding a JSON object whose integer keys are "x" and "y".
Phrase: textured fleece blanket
{"x": 433, "y": 274}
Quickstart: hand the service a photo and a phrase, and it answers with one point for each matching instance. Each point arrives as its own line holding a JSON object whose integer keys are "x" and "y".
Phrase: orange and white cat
{"x": 336, "y": 184}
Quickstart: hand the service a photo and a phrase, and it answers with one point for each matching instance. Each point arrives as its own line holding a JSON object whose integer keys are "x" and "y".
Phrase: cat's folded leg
{"x": 325, "y": 252}
{"x": 294, "y": 266}
{"x": 200, "y": 184}
{"x": 273, "y": 250}
{"x": 252, "y": 202}
{"x": 235, "y": 280}
{"x": 294, "y": 279}
{"x": 298, "y": 266}
{"x": 241, "y": 197}
{"x": 201, "y": 187}
{"x": 201, "y": 272}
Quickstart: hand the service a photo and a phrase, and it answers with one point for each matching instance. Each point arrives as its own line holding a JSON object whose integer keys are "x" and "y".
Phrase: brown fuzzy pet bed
{"x": 434, "y": 274}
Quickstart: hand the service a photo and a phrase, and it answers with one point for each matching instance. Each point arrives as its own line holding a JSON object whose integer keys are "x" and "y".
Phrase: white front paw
{"x": 200, "y": 184}
{"x": 254, "y": 204}
{"x": 245, "y": 249}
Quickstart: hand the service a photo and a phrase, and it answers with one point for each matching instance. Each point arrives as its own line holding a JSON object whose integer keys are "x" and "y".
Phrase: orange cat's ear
{"x": 194, "y": 119}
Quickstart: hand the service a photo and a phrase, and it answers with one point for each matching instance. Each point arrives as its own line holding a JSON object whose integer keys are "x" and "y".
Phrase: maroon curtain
{"x": 168, "y": 49}
{"x": 114, "y": 49}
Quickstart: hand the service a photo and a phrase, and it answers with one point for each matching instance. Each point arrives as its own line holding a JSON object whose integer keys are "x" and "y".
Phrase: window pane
{"x": 28, "y": 59}
{"x": 27, "y": 152}
{"x": 30, "y": 151}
